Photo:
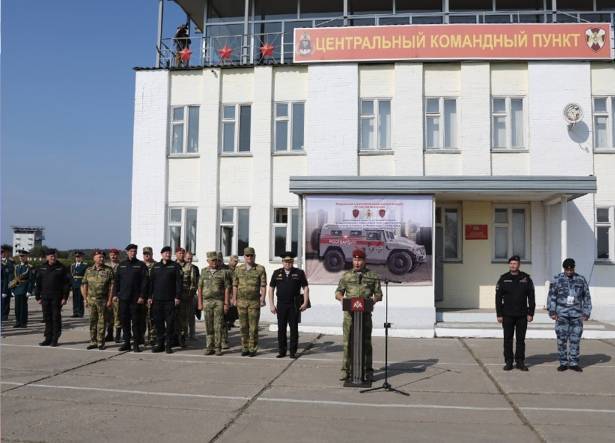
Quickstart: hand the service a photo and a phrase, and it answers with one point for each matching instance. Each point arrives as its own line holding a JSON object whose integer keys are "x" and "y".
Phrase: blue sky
{"x": 67, "y": 88}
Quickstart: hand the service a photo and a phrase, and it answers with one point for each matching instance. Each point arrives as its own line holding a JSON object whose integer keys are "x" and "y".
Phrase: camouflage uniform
{"x": 113, "y": 313}
{"x": 184, "y": 309}
{"x": 570, "y": 300}
{"x": 149, "y": 321}
{"x": 350, "y": 287}
{"x": 213, "y": 283}
{"x": 98, "y": 282}
{"x": 226, "y": 327}
{"x": 249, "y": 283}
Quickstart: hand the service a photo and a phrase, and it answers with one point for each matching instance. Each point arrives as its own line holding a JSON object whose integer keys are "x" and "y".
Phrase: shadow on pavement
{"x": 585, "y": 360}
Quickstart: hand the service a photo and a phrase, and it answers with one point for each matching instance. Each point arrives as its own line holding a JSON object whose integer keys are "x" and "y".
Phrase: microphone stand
{"x": 386, "y": 386}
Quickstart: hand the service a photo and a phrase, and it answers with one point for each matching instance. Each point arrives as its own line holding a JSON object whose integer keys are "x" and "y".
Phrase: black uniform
{"x": 166, "y": 285}
{"x": 514, "y": 301}
{"x": 288, "y": 290}
{"x": 131, "y": 282}
{"x": 52, "y": 286}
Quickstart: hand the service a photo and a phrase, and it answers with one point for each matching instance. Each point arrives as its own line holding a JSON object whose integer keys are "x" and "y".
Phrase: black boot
{"x": 135, "y": 347}
{"x": 168, "y": 349}
{"x": 109, "y": 336}
{"x": 118, "y": 335}
{"x": 158, "y": 348}
{"x": 508, "y": 366}
{"x": 45, "y": 342}
{"x": 125, "y": 347}
{"x": 182, "y": 341}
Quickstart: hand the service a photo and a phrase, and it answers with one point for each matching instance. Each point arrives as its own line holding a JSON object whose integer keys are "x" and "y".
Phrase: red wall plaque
{"x": 477, "y": 232}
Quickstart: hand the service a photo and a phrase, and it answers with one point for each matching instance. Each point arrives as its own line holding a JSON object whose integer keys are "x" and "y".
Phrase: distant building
{"x": 27, "y": 237}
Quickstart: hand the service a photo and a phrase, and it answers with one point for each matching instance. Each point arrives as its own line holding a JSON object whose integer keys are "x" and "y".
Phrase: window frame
{"x": 185, "y": 121}
{"x": 183, "y": 233}
{"x": 610, "y": 122}
{"x": 611, "y": 237}
{"x": 236, "y": 120}
{"x": 235, "y": 225}
{"x": 508, "y": 128}
{"x": 289, "y": 231}
{"x": 290, "y": 121}
{"x": 509, "y": 244}
{"x": 441, "y": 117}
{"x": 440, "y": 223}
{"x": 376, "y": 118}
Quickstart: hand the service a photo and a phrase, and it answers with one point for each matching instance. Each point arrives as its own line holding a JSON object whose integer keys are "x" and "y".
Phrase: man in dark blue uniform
{"x": 77, "y": 271}
{"x": 287, "y": 283}
{"x": 8, "y": 269}
{"x": 22, "y": 284}
{"x": 514, "y": 304}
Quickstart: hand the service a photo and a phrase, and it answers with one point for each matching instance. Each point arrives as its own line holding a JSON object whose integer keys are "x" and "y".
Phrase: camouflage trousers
{"x": 150, "y": 324}
{"x": 98, "y": 316}
{"x": 113, "y": 317}
{"x": 249, "y": 314}
{"x": 569, "y": 331}
{"x": 367, "y": 342}
{"x": 214, "y": 323}
{"x": 182, "y": 316}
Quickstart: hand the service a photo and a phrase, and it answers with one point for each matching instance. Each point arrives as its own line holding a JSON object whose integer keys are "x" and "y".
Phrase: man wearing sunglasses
{"x": 569, "y": 304}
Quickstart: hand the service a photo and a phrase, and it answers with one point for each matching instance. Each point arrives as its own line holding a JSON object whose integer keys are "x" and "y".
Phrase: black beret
{"x": 287, "y": 255}
{"x": 51, "y": 251}
{"x": 76, "y": 253}
{"x": 131, "y": 246}
{"x": 514, "y": 258}
{"x": 165, "y": 249}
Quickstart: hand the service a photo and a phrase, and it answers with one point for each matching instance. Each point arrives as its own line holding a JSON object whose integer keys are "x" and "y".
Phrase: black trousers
{"x": 52, "y": 316}
{"x": 21, "y": 310}
{"x": 77, "y": 302}
{"x": 132, "y": 317}
{"x": 288, "y": 315}
{"x": 514, "y": 326}
{"x": 164, "y": 318}
{"x": 6, "y": 306}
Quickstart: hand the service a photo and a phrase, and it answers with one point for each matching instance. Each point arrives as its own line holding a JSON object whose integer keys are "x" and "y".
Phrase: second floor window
{"x": 440, "y": 123}
{"x": 507, "y": 123}
{"x": 605, "y": 244}
{"x": 184, "y": 130}
{"x": 604, "y": 122}
{"x": 288, "y": 127}
{"x": 375, "y": 124}
{"x": 236, "y": 126}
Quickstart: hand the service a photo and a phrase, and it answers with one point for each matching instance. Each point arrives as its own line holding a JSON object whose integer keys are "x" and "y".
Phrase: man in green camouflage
{"x": 113, "y": 312}
{"x": 97, "y": 291}
{"x": 148, "y": 259}
{"x": 249, "y": 289}
{"x": 359, "y": 282}
{"x": 227, "y": 322}
{"x": 189, "y": 286}
{"x": 191, "y": 317}
{"x": 213, "y": 300}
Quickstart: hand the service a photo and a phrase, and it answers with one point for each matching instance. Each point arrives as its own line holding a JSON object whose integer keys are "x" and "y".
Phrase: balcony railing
{"x": 219, "y": 47}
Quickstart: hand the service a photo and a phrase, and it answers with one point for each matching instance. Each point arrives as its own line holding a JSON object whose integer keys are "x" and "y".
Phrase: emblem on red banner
{"x": 358, "y": 304}
{"x": 595, "y": 38}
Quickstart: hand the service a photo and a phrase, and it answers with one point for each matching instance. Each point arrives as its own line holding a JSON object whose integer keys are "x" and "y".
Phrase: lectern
{"x": 357, "y": 306}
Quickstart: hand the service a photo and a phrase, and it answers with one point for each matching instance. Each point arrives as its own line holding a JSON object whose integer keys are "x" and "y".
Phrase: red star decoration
{"x": 225, "y": 53}
{"x": 185, "y": 54}
{"x": 267, "y": 50}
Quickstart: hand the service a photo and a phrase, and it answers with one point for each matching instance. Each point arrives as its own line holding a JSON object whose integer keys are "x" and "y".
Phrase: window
{"x": 605, "y": 242}
{"x": 375, "y": 125}
{"x": 510, "y": 233}
{"x": 288, "y": 127}
{"x": 448, "y": 218}
{"x": 182, "y": 228}
{"x": 184, "y": 141}
{"x": 234, "y": 230}
{"x": 236, "y": 128}
{"x": 507, "y": 122}
{"x": 604, "y": 122}
{"x": 440, "y": 123}
{"x": 285, "y": 231}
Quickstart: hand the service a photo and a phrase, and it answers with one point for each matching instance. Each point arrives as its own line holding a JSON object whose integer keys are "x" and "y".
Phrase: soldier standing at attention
{"x": 8, "y": 269}
{"x": 359, "y": 282}
{"x": 569, "y": 304}
{"x": 77, "y": 271}
{"x": 97, "y": 290}
{"x": 51, "y": 291}
{"x": 148, "y": 259}
{"x": 189, "y": 285}
{"x": 249, "y": 283}
{"x": 113, "y": 320}
{"x": 193, "y": 307}
{"x": 228, "y": 320}
{"x": 22, "y": 288}
{"x": 213, "y": 300}
{"x": 287, "y": 282}
{"x": 166, "y": 287}
{"x": 131, "y": 292}
{"x": 514, "y": 306}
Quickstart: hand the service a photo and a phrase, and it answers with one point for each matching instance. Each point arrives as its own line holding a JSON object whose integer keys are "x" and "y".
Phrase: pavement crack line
{"x": 606, "y": 342}
{"x": 501, "y": 390}
{"x": 256, "y": 396}
{"x": 64, "y": 371}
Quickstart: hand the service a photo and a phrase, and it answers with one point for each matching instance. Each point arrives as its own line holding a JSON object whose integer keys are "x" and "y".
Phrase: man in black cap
{"x": 51, "y": 291}
{"x": 514, "y": 304}
{"x": 287, "y": 283}
{"x": 77, "y": 271}
{"x": 131, "y": 292}
{"x": 166, "y": 286}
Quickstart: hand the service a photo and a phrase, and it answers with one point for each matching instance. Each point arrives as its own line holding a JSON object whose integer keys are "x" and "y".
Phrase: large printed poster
{"x": 394, "y": 231}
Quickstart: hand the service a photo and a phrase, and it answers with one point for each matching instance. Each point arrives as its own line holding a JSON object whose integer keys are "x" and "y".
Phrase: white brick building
{"x": 215, "y": 147}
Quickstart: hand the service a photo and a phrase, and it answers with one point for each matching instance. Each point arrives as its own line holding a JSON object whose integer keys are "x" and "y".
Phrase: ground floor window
{"x": 284, "y": 231}
{"x": 234, "y": 230}
{"x": 510, "y": 232}
{"x": 448, "y": 218}
{"x": 181, "y": 230}
{"x": 605, "y": 225}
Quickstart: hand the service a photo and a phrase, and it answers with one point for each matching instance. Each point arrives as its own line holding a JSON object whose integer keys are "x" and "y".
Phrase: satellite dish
{"x": 573, "y": 114}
